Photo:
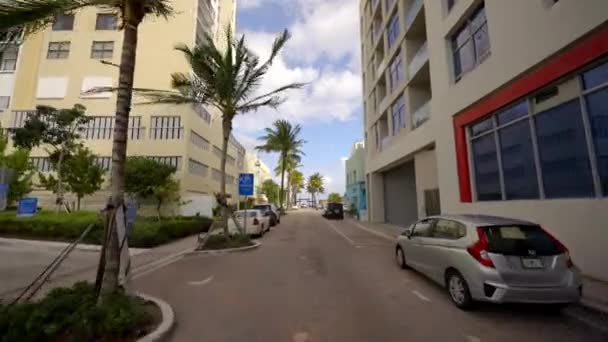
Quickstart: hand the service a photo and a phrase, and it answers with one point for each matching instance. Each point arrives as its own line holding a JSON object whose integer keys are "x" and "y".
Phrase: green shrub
{"x": 72, "y": 314}
{"x": 146, "y": 233}
{"x": 220, "y": 241}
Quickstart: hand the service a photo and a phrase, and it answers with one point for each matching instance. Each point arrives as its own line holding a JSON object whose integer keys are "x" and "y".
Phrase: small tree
{"x": 58, "y": 132}
{"x": 20, "y": 170}
{"x": 334, "y": 197}
{"x": 271, "y": 190}
{"x": 147, "y": 178}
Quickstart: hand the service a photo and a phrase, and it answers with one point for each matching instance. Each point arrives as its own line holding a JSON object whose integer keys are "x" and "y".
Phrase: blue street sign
{"x": 246, "y": 184}
{"x": 132, "y": 207}
{"x": 27, "y": 207}
{"x": 3, "y": 189}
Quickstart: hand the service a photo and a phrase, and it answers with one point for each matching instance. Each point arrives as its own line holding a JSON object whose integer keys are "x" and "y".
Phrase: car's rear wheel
{"x": 458, "y": 288}
{"x": 400, "y": 257}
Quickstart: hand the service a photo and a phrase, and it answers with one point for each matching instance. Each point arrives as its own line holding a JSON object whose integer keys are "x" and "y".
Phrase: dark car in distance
{"x": 269, "y": 210}
{"x": 334, "y": 211}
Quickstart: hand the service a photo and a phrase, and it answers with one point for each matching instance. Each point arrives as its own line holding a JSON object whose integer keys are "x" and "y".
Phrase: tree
{"x": 33, "y": 15}
{"x": 296, "y": 180}
{"x": 227, "y": 80}
{"x": 81, "y": 174}
{"x": 271, "y": 190}
{"x": 147, "y": 178}
{"x": 334, "y": 197}
{"x": 283, "y": 138}
{"x": 20, "y": 170}
{"x": 315, "y": 186}
{"x": 58, "y": 132}
{"x": 291, "y": 164}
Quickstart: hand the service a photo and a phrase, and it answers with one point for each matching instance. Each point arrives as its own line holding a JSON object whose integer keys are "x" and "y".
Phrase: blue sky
{"x": 324, "y": 52}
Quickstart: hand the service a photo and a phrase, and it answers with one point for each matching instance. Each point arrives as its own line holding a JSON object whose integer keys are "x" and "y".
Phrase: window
{"x": 487, "y": 177}
{"x": 597, "y": 106}
{"x": 63, "y": 22}
{"x": 518, "y": 165}
{"x": 396, "y": 71}
{"x": 471, "y": 44}
{"x": 197, "y": 168}
{"x": 563, "y": 152}
{"x": 100, "y": 50}
{"x": 106, "y": 21}
{"x": 596, "y": 76}
{"x": 199, "y": 141}
{"x": 217, "y": 151}
{"x": 58, "y": 50}
{"x": 5, "y": 101}
{"x": 398, "y": 115}
{"x": 173, "y": 161}
{"x": 99, "y": 128}
{"x": 136, "y": 132}
{"x": 445, "y": 229}
{"x": 166, "y": 128}
{"x": 423, "y": 229}
{"x": 519, "y": 240}
{"x": 216, "y": 175}
{"x": 393, "y": 30}
{"x": 203, "y": 113}
{"x": 42, "y": 164}
{"x": 8, "y": 59}
{"x": 104, "y": 162}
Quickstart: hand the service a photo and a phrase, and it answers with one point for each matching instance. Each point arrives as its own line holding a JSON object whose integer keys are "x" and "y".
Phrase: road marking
{"x": 332, "y": 226}
{"x": 371, "y": 231}
{"x": 421, "y": 296}
{"x": 472, "y": 338}
{"x": 300, "y": 337}
{"x": 158, "y": 264}
{"x": 303, "y": 257}
{"x": 202, "y": 282}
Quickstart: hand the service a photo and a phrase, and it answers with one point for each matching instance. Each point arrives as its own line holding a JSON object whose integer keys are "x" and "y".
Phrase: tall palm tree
{"x": 290, "y": 166}
{"x": 285, "y": 139}
{"x": 34, "y": 15}
{"x": 316, "y": 184}
{"x": 296, "y": 180}
{"x": 227, "y": 80}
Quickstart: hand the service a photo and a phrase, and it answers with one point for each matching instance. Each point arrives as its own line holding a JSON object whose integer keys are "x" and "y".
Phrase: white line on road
{"x": 332, "y": 226}
{"x": 202, "y": 282}
{"x": 158, "y": 264}
{"x": 472, "y": 338}
{"x": 388, "y": 237}
{"x": 421, "y": 296}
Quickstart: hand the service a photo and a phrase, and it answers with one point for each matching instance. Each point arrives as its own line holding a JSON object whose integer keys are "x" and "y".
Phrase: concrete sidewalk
{"x": 595, "y": 292}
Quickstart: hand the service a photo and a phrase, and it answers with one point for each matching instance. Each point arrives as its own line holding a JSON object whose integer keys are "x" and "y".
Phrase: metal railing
{"x": 421, "y": 57}
{"x": 422, "y": 114}
{"x": 412, "y": 13}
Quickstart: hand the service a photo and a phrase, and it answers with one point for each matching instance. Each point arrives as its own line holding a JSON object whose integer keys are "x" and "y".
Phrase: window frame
{"x": 393, "y": 30}
{"x": 459, "y": 236}
{"x": 166, "y": 127}
{"x": 4, "y": 61}
{"x": 470, "y": 38}
{"x": 54, "y": 27}
{"x": 104, "y": 52}
{"x": 431, "y": 222}
{"x": 105, "y": 15}
{"x": 60, "y": 52}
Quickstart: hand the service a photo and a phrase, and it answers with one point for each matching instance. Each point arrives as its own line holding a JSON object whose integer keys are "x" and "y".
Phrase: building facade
{"x": 58, "y": 65}
{"x": 261, "y": 172}
{"x": 494, "y": 107}
{"x": 356, "y": 194}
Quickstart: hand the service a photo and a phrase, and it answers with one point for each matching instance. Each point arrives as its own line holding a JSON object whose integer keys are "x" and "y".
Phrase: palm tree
{"x": 315, "y": 183}
{"x": 227, "y": 80}
{"x": 283, "y": 138}
{"x": 296, "y": 180}
{"x": 290, "y": 166}
{"x": 34, "y": 15}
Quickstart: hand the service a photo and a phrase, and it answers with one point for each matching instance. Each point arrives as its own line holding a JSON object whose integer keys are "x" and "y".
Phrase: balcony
{"x": 422, "y": 114}
{"x": 412, "y": 13}
{"x": 385, "y": 142}
{"x": 420, "y": 58}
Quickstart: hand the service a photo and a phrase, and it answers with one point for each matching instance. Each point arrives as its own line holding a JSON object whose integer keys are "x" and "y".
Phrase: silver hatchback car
{"x": 493, "y": 259}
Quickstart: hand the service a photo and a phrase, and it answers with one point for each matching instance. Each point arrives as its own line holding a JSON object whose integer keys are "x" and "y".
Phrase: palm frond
{"x": 36, "y": 14}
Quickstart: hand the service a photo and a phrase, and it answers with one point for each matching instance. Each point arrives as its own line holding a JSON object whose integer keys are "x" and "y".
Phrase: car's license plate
{"x": 532, "y": 263}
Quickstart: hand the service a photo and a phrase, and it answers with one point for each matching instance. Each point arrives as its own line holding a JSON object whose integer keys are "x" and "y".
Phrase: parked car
{"x": 334, "y": 210}
{"x": 294, "y": 207}
{"x": 303, "y": 205}
{"x": 272, "y": 211}
{"x": 491, "y": 259}
{"x": 257, "y": 222}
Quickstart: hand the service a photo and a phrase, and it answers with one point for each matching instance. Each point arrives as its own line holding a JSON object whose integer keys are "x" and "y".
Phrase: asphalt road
{"x": 319, "y": 280}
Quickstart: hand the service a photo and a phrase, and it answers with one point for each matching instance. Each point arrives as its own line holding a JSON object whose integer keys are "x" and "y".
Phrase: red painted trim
{"x": 573, "y": 58}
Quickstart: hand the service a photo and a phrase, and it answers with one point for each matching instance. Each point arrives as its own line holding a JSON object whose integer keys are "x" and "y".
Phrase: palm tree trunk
{"x": 281, "y": 195}
{"x": 119, "y": 154}
{"x": 226, "y": 129}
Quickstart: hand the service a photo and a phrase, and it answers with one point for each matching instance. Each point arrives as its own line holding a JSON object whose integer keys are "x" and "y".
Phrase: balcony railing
{"x": 421, "y": 57}
{"x": 413, "y": 13}
{"x": 421, "y": 115}
{"x": 385, "y": 142}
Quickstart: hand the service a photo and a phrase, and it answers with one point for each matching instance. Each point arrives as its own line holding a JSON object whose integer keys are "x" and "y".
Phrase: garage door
{"x": 400, "y": 202}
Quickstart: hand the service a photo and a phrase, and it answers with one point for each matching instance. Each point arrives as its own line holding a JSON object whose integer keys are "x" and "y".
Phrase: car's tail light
{"x": 256, "y": 222}
{"x": 479, "y": 250}
{"x": 561, "y": 248}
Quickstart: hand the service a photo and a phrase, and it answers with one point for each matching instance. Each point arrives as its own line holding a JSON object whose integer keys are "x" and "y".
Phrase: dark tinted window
{"x": 596, "y": 76}
{"x": 63, "y": 22}
{"x": 521, "y": 240}
{"x": 512, "y": 113}
{"x": 486, "y": 169}
{"x": 446, "y": 229}
{"x": 518, "y": 166}
{"x": 564, "y": 157}
{"x": 423, "y": 228}
{"x": 598, "y": 112}
{"x": 333, "y": 206}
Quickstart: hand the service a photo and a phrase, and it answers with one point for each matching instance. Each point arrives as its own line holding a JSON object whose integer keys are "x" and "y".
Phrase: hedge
{"x": 68, "y": 227}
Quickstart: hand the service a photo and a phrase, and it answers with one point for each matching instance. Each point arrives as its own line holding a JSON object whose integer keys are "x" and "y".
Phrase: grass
{"x": 220, "y": 241}
{"x": 52, "y": 226}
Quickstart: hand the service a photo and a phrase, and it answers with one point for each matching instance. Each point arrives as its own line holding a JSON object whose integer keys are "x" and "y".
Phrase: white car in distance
{"x": 253, "y": 221}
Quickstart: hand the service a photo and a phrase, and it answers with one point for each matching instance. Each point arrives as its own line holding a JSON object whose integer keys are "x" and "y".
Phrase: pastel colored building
{"x": 356, "y": 194}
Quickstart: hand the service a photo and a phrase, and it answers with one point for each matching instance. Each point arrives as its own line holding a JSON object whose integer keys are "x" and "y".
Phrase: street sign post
{"x": 245, "y": 189}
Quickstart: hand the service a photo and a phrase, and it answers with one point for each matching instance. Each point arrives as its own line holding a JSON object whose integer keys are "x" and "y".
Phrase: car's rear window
{"x": 520, "y": 240}
{"x": 333, "y": 206}
{"x": 262, "y": 207}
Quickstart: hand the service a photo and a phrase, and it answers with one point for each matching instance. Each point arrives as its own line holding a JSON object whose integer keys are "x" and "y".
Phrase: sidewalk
{"x": 595, "y": 292}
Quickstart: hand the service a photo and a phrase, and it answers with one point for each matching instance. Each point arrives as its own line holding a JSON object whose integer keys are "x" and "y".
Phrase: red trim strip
{"x": 582, "y": 53}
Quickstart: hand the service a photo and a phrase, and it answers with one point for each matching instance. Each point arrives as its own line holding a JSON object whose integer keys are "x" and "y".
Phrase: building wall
{"x": 60, "y": 83}
{"x": 355, "y": 178}
{"x": 539, "y": 49}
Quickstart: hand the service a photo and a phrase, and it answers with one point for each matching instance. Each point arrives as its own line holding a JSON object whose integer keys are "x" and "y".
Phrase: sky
{"x": 324, "y": 52}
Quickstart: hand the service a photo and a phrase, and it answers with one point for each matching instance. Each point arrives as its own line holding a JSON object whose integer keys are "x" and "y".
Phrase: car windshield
{"x": 519, "y": 240}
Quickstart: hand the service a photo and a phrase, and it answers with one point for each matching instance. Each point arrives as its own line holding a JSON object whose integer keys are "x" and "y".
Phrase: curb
{"x": 167, "y": 323}
{"x": 255, "y": 245}
{"x": 58, "y": 244}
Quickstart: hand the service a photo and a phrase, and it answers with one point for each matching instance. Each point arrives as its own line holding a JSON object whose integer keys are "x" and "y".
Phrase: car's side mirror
{"x": 407, "y": 233}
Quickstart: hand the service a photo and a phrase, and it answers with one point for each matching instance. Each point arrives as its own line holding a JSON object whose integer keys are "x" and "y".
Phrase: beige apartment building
{"x": 56, "y": 67}
{"x": 492, "y": 107}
